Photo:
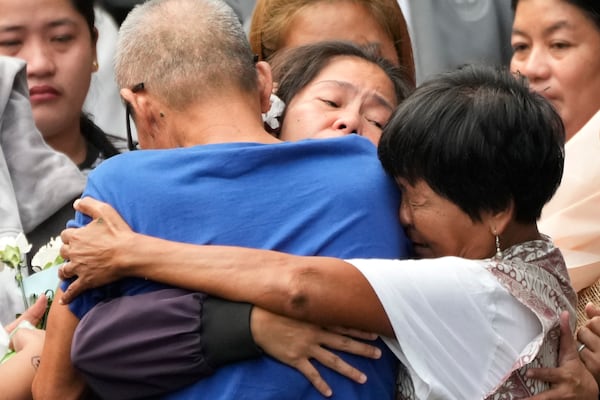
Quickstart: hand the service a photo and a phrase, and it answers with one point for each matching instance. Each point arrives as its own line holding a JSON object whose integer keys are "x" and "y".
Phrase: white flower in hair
{"x": 271, "y": 117}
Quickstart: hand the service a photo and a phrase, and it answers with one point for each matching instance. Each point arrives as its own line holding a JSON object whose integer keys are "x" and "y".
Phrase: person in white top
{"x": 466, "y": 321}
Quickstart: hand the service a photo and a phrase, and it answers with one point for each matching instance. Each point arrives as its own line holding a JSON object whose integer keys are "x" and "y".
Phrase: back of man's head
{"x": 184, "y": 50}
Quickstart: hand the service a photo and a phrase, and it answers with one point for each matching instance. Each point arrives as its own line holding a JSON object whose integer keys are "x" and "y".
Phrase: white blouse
{"x": 458, "y": 330}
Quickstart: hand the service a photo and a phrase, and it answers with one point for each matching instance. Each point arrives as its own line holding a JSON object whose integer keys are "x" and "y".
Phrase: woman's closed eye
{"x": 376, "y": 123}
{"x": 377, "y": 115}
{"x": 10, "y": 43}
{"x": 330, "y": 103}
{"x": 62, "y": 38}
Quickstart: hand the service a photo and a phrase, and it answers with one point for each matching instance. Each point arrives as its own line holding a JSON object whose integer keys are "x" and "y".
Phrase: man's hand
{"x": 93, "y": 251}
{"x": 589, "y": 335}
{"x": 295, "y": 343}
{"x": 571, "y": 380}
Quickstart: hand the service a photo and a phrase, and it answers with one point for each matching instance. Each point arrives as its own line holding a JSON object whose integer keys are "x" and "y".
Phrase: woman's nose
{"x": 404, "y": 213}
{"x": 347, "y": 122}
{"x": 535, "y": 67}
{"x": 40, "y": 60}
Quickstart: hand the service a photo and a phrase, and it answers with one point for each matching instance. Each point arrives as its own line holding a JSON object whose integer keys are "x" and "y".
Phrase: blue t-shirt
{"x": 315, "y": 197}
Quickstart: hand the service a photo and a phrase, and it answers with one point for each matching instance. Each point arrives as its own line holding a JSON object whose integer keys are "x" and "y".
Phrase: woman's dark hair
{"x": 479, "y": 138}
{"x": 86, "y": 9}
{"x": 295, "y": 68}
{"x": 591, "y": 8}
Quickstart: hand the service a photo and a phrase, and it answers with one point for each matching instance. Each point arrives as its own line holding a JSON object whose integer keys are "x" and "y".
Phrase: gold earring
{"x": 95, "y": 65}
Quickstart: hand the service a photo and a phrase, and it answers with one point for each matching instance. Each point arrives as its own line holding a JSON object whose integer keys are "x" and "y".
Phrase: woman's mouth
{"x": 42, "y": 93}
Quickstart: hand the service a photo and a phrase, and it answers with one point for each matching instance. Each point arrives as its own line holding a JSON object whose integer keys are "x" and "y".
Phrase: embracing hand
{"x": 294, "y": 343}
{"x": 93, "y": 252}
{"x": 571, "y": 380}
{"x": 589, "y": 336}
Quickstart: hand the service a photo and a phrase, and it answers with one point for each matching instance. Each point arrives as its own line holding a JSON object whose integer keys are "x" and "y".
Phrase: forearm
{"x": 18, "y": 372}
{"x": 321, "y": 290}
{"x": 56, "y": 377}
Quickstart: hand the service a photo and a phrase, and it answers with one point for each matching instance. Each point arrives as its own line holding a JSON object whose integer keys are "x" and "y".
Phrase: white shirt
{"x": 458, "y": 330}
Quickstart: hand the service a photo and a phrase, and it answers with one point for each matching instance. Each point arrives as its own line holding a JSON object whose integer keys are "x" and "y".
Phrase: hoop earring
{"x": 498, "y": 251}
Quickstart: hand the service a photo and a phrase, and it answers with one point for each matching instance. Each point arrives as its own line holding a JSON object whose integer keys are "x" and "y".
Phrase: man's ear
{"x": 129, "y": 98}
{"x": 265, "y": 85}
{"x": 142, "y": 112}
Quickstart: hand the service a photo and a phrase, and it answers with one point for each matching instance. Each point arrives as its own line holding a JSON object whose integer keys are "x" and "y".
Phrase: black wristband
{"x": 226, "y": 333}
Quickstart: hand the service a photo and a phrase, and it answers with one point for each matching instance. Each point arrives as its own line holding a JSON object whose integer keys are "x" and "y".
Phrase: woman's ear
{"x": 498, "y": 221}
{"x": 265, "y": 85}
{"x": 95, "y": 65}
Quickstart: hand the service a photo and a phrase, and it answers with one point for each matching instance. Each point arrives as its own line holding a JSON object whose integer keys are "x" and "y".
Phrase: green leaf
{"x": 11, "y": 256}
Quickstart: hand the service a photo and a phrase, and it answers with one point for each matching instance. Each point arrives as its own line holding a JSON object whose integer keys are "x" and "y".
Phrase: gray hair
{"x": 184, "y": 49}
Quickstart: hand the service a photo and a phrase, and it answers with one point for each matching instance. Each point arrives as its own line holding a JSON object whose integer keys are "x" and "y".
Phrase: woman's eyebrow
{"x": 51, "y": 24}
{"x": 11, "y": 28}
{"x": 348, "y": 86}
{"x": 562, "y": 24}
{"x": 60, "y": 22}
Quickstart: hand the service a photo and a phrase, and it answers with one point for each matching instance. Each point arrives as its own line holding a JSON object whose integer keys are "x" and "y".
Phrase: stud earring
{"x": 95, "y": 65}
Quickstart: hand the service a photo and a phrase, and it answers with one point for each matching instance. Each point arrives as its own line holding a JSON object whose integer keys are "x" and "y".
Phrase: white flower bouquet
{"x": 45, "y": 265}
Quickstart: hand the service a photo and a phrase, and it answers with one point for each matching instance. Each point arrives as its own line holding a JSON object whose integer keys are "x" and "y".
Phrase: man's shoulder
{"x": 350, "y": 151}
{"x": 132, "y": 159}
{"x": 125, "y": 170}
